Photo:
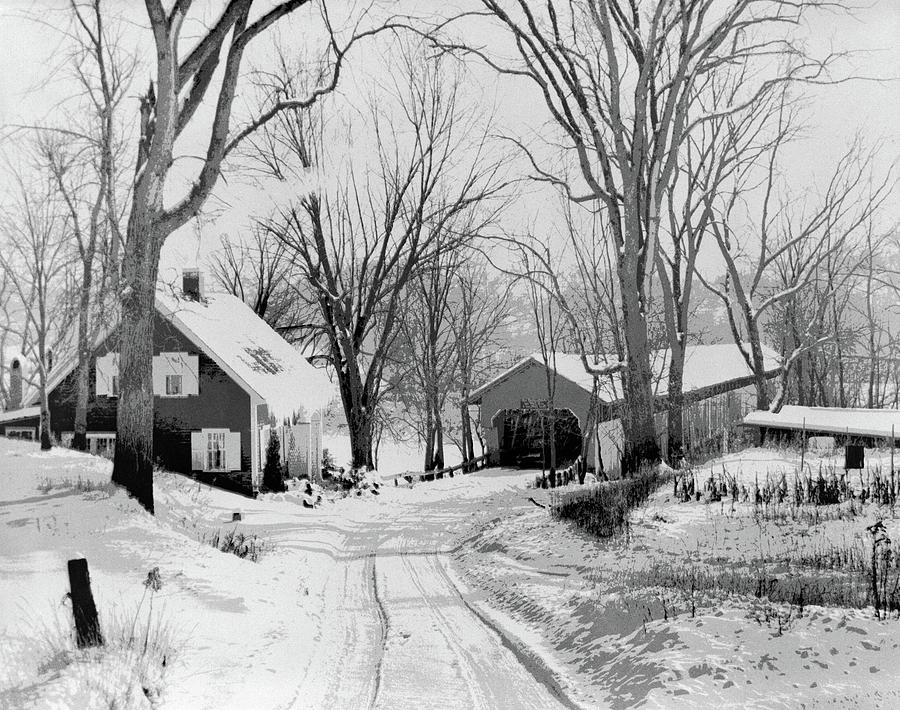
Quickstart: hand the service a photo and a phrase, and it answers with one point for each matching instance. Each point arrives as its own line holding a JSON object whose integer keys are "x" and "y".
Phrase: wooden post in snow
{"x": 802, "y": 446}
{"x": 87, "y": 626}
{"x": 892, "y": 453}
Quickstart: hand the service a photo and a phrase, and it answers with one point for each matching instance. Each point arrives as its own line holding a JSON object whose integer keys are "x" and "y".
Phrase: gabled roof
{"x": 263, "y": 363}
{"x": 244, "y": 345}
{"x": 704, "y": 366}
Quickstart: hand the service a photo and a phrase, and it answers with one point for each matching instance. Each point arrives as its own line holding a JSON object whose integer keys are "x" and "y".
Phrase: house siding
{"x": 221, "y": 403}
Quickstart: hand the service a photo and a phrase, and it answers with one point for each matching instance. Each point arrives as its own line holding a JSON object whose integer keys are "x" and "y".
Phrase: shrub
{"x": 239, "y": 543}
{"x": 603, "y": 509}
{"x": 273, "y": 475}
{"x": 79, "y": 485}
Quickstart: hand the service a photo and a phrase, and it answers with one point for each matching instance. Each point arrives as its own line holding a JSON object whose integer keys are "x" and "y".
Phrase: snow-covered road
{"x": 399, "y": 632}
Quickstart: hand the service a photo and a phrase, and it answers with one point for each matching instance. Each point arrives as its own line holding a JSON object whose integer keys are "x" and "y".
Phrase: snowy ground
{"x": 624, "y": 640}
{"x": 352, "y": 607}
{"x": 456, "y": 593}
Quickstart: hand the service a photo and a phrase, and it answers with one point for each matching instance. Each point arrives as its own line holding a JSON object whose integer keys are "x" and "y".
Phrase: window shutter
{"x": 104, "y": 368}
{"x": 198, "y": 449}
{"x": 103, "y": 378}
{"x": 159, "y": 375}
{"x": 191, "y": 375}
{"x": 233, "y": 451}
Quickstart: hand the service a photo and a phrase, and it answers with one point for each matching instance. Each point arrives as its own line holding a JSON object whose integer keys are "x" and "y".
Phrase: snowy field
{"x": 457, "y": 593}
{"x": 608, "y": 611}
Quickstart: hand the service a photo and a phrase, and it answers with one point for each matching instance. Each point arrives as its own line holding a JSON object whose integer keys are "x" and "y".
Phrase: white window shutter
{"x": 191, "y": 375}
{"x": 233, "y": 451}
{"x": 159, "y": 375}
{"x": 106, "y": 367}
{"x": 103, "y": 378}
{"x": 198, "y": 451}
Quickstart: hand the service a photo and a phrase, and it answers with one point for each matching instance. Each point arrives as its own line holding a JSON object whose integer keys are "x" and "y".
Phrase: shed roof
{"x": 704, "y": 366}
{"x": 878, "y": 423}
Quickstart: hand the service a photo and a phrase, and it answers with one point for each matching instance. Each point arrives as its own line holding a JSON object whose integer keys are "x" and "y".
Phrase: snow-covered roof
{"x": 16, "y": 414}
{"x": 704, "y": 366}
{"x": 246, "y": 347}
{"x": 879, "y": 423}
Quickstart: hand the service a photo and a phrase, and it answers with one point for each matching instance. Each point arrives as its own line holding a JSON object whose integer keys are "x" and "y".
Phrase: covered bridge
{"x": 515, "y": 405}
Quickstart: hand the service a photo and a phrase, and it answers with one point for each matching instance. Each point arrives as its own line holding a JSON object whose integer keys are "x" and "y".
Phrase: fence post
{"x": 87, "y": 626}
{"x": 802, "y": 446}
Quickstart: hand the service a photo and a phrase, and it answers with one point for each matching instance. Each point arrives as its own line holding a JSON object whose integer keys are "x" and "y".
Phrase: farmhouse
{"x": 221, "y": 379}
{"x": 718, "y": 388}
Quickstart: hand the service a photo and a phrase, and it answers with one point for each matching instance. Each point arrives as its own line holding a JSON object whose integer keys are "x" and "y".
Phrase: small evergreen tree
{"x": 328, "y": 466}
{"x": 273, "y": 479}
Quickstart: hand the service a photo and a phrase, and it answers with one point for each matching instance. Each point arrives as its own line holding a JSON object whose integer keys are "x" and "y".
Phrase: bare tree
{"x": 548, "y": 327}
{"x": 620, "y": 81}
{"x": 183, "y": 78}
{"x": 794, "y": 240}
{"x": 359, "y": 245}
{"x": 37, "y": 262}
{"x": 259, "y": 272}
{"x": 425, "y": 359}
{"x": 479, "y": 307}
{"x": 84, "y": 158}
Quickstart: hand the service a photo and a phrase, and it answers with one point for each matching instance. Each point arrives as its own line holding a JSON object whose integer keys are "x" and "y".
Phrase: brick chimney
{"x": 15, "y": 384}
{"x": 192, "y": 284}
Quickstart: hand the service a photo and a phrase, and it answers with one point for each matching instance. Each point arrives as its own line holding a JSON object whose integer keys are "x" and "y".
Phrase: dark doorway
{"x": 525, "y": 437}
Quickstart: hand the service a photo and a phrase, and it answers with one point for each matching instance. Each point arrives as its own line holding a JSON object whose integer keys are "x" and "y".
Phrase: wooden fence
{"x": 475, "y": 464}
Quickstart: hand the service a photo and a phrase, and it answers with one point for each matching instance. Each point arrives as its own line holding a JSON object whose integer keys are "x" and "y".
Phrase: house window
{"x": 114, "y": 386}
{"x": 102, "y": 443}
{"x": 175, "y": 374}
{"x": 27, "y": 433}
{"x": 215, "y": 451}
{"x": 173, "y": 384}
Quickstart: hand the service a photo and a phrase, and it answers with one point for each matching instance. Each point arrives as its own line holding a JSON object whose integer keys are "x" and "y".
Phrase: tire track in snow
{"x": 527, "y": 658}
{"x": 473, "y": 687}
{"x": 384, "y": 626}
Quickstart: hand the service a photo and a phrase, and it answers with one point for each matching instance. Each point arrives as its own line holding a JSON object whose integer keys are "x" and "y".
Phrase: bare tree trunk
{"x": 640, "y": 430}
{"x": 46, "y": 442}
{"x": 82, "y": 379}
{"x": 134, "y": 418}
{"x": 361, "y": 441}
{"x": 676, "y": 404}
{"x": 552, "y": 427}
{"x": 439, "y": 439}
{"x": 468, "y": 446}
{"x": 429, "y": 439}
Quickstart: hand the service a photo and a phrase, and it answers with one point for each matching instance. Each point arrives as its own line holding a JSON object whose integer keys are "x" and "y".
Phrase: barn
{"x": 222, "y": 378}
{"x": 514, "y": 407}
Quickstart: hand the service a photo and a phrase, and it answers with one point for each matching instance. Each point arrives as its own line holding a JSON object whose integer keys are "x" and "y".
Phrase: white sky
{"x": 30, "y": 51}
